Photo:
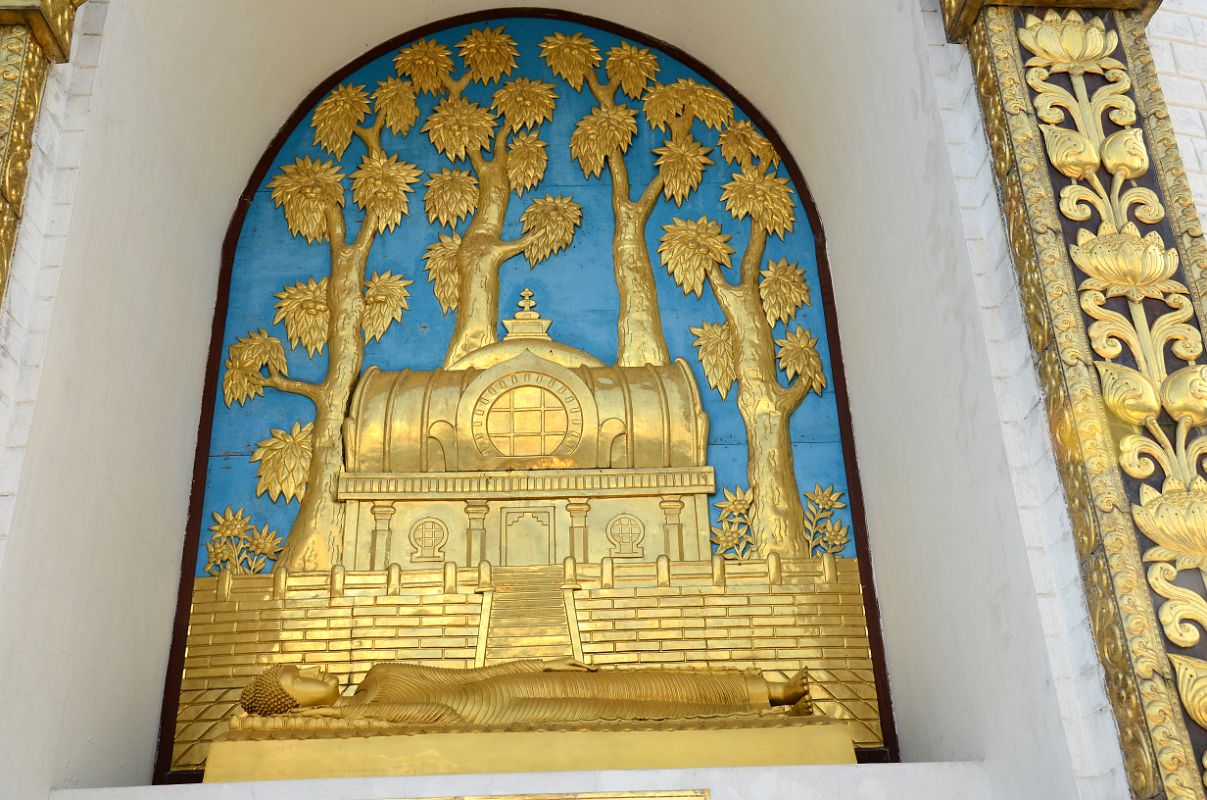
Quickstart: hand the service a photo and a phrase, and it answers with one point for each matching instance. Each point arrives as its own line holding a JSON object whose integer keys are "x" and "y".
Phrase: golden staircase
{"x": 528, "y": 616}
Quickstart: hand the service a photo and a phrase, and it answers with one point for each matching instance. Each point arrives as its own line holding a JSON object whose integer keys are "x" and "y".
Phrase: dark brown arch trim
{"x": 167, "y": 724}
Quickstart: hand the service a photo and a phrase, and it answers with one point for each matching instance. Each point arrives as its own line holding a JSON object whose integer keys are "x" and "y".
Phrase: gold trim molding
{"x": 1111, "y": 264}
{"x": 960, "y": 15}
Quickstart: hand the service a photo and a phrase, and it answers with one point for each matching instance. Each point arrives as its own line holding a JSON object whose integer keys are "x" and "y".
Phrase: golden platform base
{"x": 810, "y": 740}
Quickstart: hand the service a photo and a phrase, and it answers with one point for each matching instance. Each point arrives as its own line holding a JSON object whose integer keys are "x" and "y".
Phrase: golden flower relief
{"x": 1128, "y": 394}
{"x": 1175, "y": 518}
{"x": 1124, "y": 154}
{"x": 1184, "y": 395}
{"x": 1071, "y": 152}
{"x": 1065, "y": 44}
{"x": 1121, "y": 263}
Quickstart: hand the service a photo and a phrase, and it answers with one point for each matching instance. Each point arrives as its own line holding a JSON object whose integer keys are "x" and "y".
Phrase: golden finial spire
{"x": 527, "y": 323}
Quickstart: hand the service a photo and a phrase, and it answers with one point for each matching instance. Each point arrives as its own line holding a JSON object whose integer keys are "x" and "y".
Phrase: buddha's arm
{"x": 418, "y": 713}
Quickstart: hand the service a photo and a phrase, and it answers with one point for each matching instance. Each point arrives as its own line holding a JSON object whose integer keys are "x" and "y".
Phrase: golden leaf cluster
{"x": 245, "y": 359}
{"x": 441, "y": 258}
{"x": 741, "y": 144}
{"x": 284, "y": 459}
{"x": 685, "y": 97}
{"x": 303, "y": 308}
{"x": 571, "y": 57}
{"x": 715, "y": 349}
{"x": 456, "y": 126}
{"x": 824, "y": 533}
{"x": 783, "y": 290}
{"x": 602, "y": 132}
{"x": 337, "y": 116}
{"x": 633, "y": 67}
{"x": 395, "y": 103}
{"x": 732, "y": 538}
{"x": 798, "y": 356}
{"x": 237, "y": 547}
{"x": 681, "y": 162}
{"x": 381, "y": 185}
{"x": 549, "y": 225}
{"x": 526, "y": 162}
{"x": 488, "y": 53}
{"x": 385, "y": 299}
{"x": 427, "y": 63}
{"x": 764, "y": 196}
{"x": 452, "y": 194}
{"x": 690, "y": 248}
{"x": 308, "y": 190}
{"x": 525, "y": 103}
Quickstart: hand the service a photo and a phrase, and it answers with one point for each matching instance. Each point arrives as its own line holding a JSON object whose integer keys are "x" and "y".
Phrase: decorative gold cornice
{"x": 1110, "y": 258}
{"x": 50, "y": 22}
{"x": 960, "y": 15}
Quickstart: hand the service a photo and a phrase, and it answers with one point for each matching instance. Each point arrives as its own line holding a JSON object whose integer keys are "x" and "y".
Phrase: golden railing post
{"x": 1110, "y": 260}
{"x": 33, "y": 33}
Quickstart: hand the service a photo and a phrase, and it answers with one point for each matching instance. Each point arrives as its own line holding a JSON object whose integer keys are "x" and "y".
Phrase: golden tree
{"x": 743, "y": 349}
{"x": 504, "y": 153}
{"x": 602, "y": 138}
{"x": 340, "y": 311}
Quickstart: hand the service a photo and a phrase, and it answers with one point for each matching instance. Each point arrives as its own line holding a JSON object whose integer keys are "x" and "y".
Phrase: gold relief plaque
{"x": 464, "y": 516}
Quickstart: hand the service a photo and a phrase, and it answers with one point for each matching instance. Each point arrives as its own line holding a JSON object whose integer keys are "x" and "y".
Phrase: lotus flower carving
{"x": 1176, "y": 520}
{"x": 1069, "y": 43}
{"x": 1121, "y": 263}
{"x": 1129, "y": 394}
{"x": 1124, "y": 154}
{"x": 1184, "y": 394}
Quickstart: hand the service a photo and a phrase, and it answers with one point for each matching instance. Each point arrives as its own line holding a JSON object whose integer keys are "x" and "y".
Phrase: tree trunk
{"x": 478, "y": 261}
{"x": 316, "y": 540}
{"x": 639, "y": 324}
{"x": 776, "y": 514}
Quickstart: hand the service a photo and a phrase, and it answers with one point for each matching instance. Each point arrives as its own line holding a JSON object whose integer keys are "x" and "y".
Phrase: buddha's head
{"x": 279, "y": 689}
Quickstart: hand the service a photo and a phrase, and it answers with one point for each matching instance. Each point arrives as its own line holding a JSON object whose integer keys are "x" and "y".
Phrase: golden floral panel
{"x": 1110, "y": 260}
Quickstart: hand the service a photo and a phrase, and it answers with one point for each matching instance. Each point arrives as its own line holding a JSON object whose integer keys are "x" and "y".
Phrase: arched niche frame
{"x": 254, "y": 275}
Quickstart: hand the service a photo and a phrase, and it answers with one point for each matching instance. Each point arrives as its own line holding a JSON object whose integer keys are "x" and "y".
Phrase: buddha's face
{"x": 310, "y": 687}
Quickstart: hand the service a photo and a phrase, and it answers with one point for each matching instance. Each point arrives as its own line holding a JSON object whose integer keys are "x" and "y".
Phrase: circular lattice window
{"x": 527, "y": 421}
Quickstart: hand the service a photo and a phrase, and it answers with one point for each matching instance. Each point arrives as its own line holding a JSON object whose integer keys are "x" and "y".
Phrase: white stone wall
{"x": 1178, "y": 35}
{"x": 37, "y": 262}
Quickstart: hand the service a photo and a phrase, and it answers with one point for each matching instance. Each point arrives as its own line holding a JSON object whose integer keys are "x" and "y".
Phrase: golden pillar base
{"x": 782, "y": 741}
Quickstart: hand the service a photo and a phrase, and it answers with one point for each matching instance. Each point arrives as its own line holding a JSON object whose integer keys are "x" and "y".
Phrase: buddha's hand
{"x": 568, "y": 665}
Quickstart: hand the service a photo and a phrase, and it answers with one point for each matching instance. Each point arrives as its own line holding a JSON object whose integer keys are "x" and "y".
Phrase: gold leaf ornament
{"x": 605, "y": 130}
{"x": 427, "y": 63}
{"x": 571, "y": 58}
{"x": 249, "y": 355}
{"x": 1061, "y": 44}
{"x": 549, "y": 225}
{"x": 456, "y": 126}
{"x": 1124, "y": 154}
{"x": 705, "y": 103}
{"x": 764, "y": 196}
{"x": 1121, "y": 263}
{"x": 395, "y": 103}
{"x": 284, "y": 459}
{"x": 1071, "y": 152}
{"x": 525, "y": 103}
{"x": 488, "y": 53}
{"x": 385, "y": 299}
{"x": 681, "y": 162}
{"x": 798, "y": 356}
{"x": 337, "y": 116}
{"x": 1128, "y": 394}
{"x": 741, "y": 143}
{"x": 1192, "y": 686}
{"x": 526, "y": 162}
{"x": 308, "y": 190}
{"x": 689, "y": 248}
{"x": 663, "y": 102}
{"x": 1184, "y": 394}
{"x": 783, "y": 290}
{"x": 441, "y": 258}
{"x": 303, "y": 308}
{"x": 452, "y": 195}
{"x": 715, "y": 347}
{"x": 381, "y": 186}
{"x": 633, "y": 67}
{"x": 1176, "y": 520}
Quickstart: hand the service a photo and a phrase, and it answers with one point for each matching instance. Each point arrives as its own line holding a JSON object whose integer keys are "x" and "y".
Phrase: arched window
{"x": 626, "y": 533}
{"x": 428, "y": 537}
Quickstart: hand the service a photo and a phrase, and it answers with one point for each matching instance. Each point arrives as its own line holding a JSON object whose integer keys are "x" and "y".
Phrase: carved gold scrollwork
{"x": 1067, "y": 90}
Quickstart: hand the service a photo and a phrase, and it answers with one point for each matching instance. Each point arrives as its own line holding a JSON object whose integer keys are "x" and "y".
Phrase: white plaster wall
{"x": 188, "y": 94}
{"x": 1178, "y": 35}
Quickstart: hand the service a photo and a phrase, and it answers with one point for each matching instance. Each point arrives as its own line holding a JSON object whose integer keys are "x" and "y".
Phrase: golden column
{"x": 1110, "y": 260}
{"x": 33, "y": 33}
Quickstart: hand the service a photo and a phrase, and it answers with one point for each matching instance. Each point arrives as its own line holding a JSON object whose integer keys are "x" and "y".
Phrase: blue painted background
{"x": 575, "y": 287}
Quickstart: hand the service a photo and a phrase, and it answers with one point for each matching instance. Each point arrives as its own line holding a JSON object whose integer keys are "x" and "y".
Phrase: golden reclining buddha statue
{"x": 529, "y": 692}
